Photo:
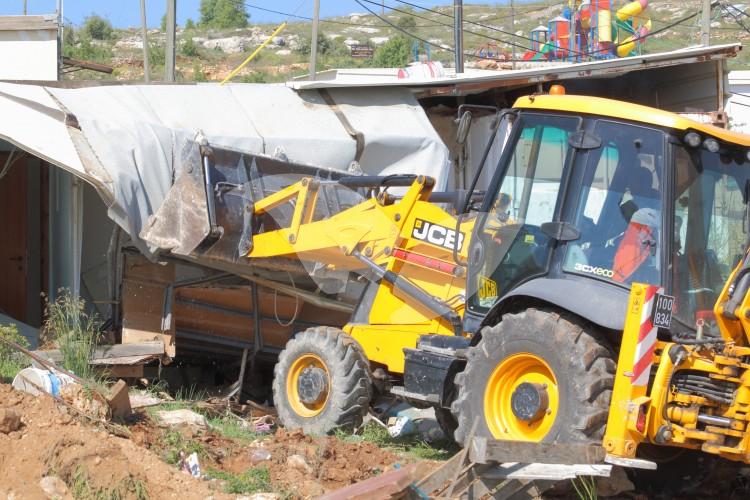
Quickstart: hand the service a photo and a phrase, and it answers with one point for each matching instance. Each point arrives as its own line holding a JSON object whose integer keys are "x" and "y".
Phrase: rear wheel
{"x": 535, "y": 376}
{"x": 322, "y": 382}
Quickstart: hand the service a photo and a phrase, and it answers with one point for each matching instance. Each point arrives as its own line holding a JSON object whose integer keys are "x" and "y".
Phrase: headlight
{"x": 712, "y": 145}
{"x": 692, "y": 139}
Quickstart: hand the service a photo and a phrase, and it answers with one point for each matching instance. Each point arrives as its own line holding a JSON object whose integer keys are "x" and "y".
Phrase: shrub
{"x": 394, "y": 53}
{"x": 97, "y": 28}
{"x": 188, "y": 48}
{"x": 11, "y": 361}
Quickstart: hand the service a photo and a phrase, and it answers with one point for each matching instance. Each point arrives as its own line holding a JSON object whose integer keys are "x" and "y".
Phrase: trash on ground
{"x": 190, "y": 464}
{"x": 172, "y": 418}
{"x": 37, "y": 380}
{"x": 143, "y": 399}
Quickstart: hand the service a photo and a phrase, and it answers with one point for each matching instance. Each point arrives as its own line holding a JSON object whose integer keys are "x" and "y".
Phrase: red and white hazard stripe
{"x": 644, "y": 349}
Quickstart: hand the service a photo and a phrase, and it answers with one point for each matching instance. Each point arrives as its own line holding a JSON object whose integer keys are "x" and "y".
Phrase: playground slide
{"x": 628, "y": 11}
{"x": 547, "y": 47}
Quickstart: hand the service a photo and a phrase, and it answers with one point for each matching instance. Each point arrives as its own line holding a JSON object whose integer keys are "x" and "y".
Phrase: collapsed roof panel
{"x": 132, "y": 142}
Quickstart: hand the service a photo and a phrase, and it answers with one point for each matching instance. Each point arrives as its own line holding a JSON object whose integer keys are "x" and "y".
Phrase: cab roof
{"x": 627, "y": 111}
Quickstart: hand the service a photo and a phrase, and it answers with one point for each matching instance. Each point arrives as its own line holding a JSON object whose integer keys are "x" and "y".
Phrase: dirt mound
{"x": 331, "y": 463}
{"x": 51, "y": 442}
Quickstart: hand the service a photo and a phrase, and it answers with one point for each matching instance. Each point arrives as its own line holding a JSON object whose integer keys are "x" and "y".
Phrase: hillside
{"x": 209, "y": 55}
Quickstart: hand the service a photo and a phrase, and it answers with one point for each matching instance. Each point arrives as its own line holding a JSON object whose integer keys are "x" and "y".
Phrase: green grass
{"x": 411, "y": 446}
{"x": 75, "y": 332}
{"x": 585, "y": 487}
{"x": 232, "y": 428}
{"x": 11, "y": 361}
{"x": 256, "y": 480}
{"x": 130, "y": 487}
{"x": 174, "y": 443}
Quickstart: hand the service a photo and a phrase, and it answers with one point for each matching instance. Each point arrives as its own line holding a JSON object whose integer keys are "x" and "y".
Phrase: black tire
{"x": 582, "y": 366}
{"x": 349, "y": 383}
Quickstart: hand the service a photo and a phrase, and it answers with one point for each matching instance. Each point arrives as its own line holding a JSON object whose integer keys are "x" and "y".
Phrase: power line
{"x": 412, "y": 35}
{"x": 451, "y": 26}
{"x": 327, "y": 21}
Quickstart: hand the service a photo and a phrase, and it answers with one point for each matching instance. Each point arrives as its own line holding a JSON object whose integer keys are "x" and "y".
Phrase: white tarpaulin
{"x": 132, "y": 141}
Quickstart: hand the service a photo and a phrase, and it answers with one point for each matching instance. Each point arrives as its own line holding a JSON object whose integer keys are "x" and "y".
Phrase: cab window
{"x": 513, "y": 247}
{"x": 709, "y": 229}
{"x": 619, "y": 213}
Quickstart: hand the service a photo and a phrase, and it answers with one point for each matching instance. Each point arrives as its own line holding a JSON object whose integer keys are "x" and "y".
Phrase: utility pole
{"x": 513, "y": 29}
{"x": 314, "y": 41}
{"x": 706, "y": 24}
{"x": 382, "y": 8}
{"x": 170, "y": 48}
{"x": 458, "y": 34}
{"x": 144, "y": 33}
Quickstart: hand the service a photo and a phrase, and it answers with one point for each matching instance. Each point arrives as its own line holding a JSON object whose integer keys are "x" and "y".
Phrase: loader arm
{"x": 403, "y": 245}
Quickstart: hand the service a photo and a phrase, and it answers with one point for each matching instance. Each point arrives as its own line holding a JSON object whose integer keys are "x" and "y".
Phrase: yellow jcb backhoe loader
{"x": 509, "y": 309}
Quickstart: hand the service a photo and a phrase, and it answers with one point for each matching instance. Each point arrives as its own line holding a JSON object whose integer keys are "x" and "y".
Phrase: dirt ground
{"x": 89, "y": 459}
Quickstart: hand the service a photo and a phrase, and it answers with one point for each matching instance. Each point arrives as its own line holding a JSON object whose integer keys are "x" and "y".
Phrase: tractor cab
{"x": 591, "y": 195}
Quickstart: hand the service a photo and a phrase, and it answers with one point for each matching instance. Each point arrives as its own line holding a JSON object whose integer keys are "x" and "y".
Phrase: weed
{"x": 585, "y": 487}
{"x": 75, "y": 332}
{"x": 232, "y": 428}
{"x": 11, "y": 361}
{"x": 175, "y": 442}
{"x": 251, "y": 481}
{"x": 129, "y": 487}
{"x": 411, "y": 445}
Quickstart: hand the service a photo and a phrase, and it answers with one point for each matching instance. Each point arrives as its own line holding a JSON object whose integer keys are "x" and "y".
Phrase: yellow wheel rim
{"x": 503, "y": 382}
{"x": 307, "y": 410}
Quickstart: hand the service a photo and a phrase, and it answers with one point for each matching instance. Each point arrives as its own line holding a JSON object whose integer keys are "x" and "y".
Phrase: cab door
{"x": 508, "y": 246}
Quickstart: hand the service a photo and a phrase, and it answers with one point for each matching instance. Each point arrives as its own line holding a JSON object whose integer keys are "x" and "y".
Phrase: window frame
{"x": 666, "y": 186}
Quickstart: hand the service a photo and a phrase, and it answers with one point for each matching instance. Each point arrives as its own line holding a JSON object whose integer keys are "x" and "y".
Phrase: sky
{"x": 126, "y": 13}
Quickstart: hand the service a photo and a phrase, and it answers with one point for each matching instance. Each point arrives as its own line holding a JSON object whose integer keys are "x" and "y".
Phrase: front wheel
{"x": 322, "y": 382}
{"x": 535, "y": 376}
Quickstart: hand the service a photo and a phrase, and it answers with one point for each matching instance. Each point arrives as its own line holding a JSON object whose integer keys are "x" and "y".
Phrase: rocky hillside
{"x": 209, "y": 55}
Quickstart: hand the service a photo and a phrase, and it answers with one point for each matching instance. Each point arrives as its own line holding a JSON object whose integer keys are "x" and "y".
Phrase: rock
{"x": 351, "y": 41}
{"x": 54, "y": 488}
{"x": 10, "y": 420}
{"x": 182, "y": 417}
{"x": 278, "y": 41}
{"x": 379, "y": 40}
{"x": 229, "y": 45}
{"x": 283, "y": 52}
{"x": 260, "y": 496}
{"x": 299, "y": 463}
{"x": 716, "y": 24}
{"x": 366, "y": 29}
{"x": 615, "y": 484}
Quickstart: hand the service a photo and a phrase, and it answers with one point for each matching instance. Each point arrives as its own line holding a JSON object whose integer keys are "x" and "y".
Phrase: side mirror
{"x": 464, "y": 125}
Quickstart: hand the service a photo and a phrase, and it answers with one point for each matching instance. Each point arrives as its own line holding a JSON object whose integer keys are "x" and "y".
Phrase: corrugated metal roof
{"x": 479, "y": 80}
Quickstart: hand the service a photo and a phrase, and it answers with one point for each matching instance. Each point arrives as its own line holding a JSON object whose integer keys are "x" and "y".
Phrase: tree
{"x": 189, "y": 24}
{"x": 97, "y": 28}
{"x": 223, "y": 14}
{"x": 163, "y": 24}
{"x": 395, "y": 53}
{"x": 407, "y": 23}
